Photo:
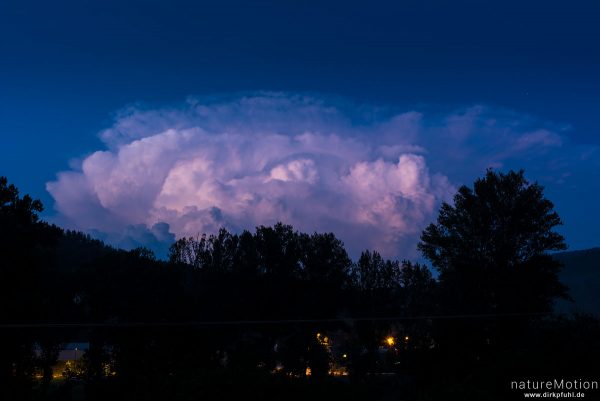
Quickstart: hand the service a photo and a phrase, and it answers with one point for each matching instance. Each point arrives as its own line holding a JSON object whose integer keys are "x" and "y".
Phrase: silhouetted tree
{"x": 418, "y": 289}
{"x": 372, "y": 272}
{"x": 279, "y": 250}
{"x": 324, "y": 259}
{"x": 24, "y": 243}
{"x": 491, "y": 247}
{"x": 26, "y": 284}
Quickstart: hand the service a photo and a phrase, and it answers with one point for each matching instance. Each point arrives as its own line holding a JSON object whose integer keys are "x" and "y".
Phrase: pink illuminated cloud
{"x": 258, "y": 159}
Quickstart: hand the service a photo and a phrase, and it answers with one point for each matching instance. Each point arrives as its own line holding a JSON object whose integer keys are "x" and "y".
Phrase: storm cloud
{"x": 373, "y": 176}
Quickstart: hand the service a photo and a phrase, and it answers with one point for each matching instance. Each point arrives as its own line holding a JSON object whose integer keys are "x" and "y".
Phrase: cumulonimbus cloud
{"x": 321, "y": 165}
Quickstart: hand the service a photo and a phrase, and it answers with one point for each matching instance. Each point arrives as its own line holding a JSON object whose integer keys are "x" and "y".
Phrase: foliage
{"x": 491, "y": 247}
{"x": 237, "y": 315}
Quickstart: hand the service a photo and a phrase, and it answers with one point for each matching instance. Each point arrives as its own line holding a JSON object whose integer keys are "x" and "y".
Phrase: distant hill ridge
{"x": 581, "y": 273}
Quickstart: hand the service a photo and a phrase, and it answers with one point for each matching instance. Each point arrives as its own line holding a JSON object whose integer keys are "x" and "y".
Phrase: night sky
{"x": 142, "y": 121}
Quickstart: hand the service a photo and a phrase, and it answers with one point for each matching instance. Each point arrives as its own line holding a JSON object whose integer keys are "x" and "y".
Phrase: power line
{"x": 264, "y": 321}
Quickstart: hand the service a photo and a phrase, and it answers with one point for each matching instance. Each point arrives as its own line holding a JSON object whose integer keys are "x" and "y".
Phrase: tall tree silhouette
{"x": 26, "y": 284}
{"x": 491, "y": 247}
{"x": 27, "y": 252}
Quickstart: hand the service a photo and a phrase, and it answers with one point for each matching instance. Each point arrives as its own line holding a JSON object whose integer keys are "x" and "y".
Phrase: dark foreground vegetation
{"x": 278, "y": 314}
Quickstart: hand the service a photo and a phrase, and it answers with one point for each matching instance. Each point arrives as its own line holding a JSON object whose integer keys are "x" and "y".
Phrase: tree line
{"x": 233, "y": 314}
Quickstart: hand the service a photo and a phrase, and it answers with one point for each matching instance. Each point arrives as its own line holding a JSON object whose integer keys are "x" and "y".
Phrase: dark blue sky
{"x": 67, "y": 67}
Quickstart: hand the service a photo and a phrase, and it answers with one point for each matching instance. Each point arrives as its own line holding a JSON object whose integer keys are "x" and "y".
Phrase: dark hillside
{"x": 581, "y": 273}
